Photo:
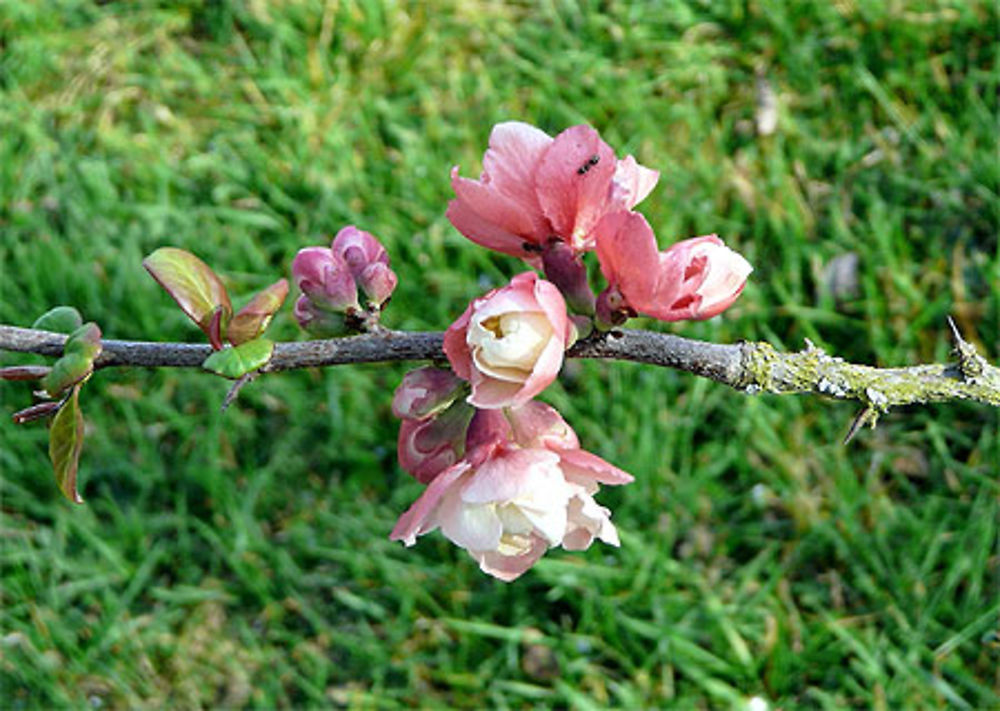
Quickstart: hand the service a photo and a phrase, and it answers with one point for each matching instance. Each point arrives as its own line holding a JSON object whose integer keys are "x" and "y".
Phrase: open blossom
{"x": 523, "y": 487}
{"x": 693, "y": 279}
{"x": 534, "y": 188}
{"x": 509, "y": 344}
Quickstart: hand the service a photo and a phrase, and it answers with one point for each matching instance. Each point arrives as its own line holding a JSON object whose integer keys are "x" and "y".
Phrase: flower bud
{"x": 378, "y": 282}
{"x": 425, "y": 391}
{"x": 358, "y": 249}
{"x": 368, "y": 263}
{"x": 564, "y": 268}
{"x": 325, "y": 279}
{"x": 429, "y": 446}
{"x": 319, "y": 322}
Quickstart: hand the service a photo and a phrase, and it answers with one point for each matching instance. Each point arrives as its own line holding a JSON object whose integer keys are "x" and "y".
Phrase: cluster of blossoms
{"x": 505, "y": 476}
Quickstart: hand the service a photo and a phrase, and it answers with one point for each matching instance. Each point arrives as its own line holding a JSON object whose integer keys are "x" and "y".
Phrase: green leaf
{"x": 66, "y": 372}
{"x": 239, "y": 360}
{"x": 65, "y": 444}
{"x": 192, "y": 284}
{"x": 77, "y": 363}
{"x": 85, "y": 341}
{"x": 61, "y": 319}
{"x": 251, "y": 321}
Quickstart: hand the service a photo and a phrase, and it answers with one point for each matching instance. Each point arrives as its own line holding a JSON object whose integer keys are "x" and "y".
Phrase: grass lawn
{"x": 243, "y": 560}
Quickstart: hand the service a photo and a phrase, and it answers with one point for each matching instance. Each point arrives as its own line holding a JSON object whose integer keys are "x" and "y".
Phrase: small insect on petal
{"x": 591, "y": 162}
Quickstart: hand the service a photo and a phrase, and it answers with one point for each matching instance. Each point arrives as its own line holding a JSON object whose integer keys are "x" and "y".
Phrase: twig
{"x": 749, "y": 367}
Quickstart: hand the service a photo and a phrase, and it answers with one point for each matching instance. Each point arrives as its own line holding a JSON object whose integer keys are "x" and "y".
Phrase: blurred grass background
{"x": 242, "y": 560}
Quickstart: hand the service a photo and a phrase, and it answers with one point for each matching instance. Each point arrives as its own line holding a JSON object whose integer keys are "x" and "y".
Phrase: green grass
{"x": 242, "y": 559}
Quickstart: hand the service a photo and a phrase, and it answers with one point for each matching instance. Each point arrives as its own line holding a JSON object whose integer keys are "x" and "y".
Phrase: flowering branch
{"x": 505, "y": 476}
{"x": 750, "y": 367}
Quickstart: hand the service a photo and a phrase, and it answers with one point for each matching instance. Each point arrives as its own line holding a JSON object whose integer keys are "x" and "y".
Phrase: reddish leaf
{"x": 35, "y": 412}
{"x": 65, "y": 444}
{"x": 251, "y": 321}
{"x": 24, "y": 372}
{"x": 215, "y": 328}
{"x": 192, "y": 284}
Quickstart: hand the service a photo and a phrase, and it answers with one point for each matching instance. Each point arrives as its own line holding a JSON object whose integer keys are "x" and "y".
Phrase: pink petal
{"x": 455, "y": 346}
{"x": 494, "y": 207}
{"x": 510, "y": 475}
{"x": 488, "y": 429}
{"x": 632, "y": 183}
{"x": 572, "y": 188}
{"x": 483, "y": 232}
{"x": 579, "y": 463}
{"x": 626, "y": 250}
{"x": 508, "y": 567}
{"x": 491, "y": 393}
{"x": 543, "y": 374}
{"x": 551, "y": 301}
{"x": 509, "y": 167}
{"x": 536, "y": 424}
{"x": 411, "y": 523}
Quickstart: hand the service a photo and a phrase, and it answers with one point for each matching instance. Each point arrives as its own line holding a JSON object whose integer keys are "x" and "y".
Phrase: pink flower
{"x": 693, "y": 279}
{"x": 509, "y": 343}
{"x": 534, "y": 188}
{"x": 523, "y": 487}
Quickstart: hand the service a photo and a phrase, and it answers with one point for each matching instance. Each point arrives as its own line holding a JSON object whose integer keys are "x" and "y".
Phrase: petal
{"x": 483, "y": 232}
{"x": 455, "y": 346}
{"x": 495, "y": 207}
{"x": 544, "y": 373}
{"x": 511, "y": 475}
{"x": 632, "y": 183}
{"x": 626, "y": 250}
{"x": 579, "y": 464}
{"x": 536, "y": 424}
{"x": 475, "y": 527}
{"x": 414, "y": 521}
{"x": 573, "y": 183}
{"x": 508, "y": 568}
{"x": 490, "y": 393}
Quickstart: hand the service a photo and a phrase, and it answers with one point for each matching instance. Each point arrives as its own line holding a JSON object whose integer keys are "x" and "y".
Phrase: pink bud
{"x": 694, "y": 279}
{"x": 564, "y": 268}
{"x": 429, "y": 446}
{"x": 719, "y": 272}
{"x": 358, "y": 249}
{"x": 425, "y": 391}
{"x": 378, "y": 282}
{"x": 367, "y": 261}
{"x": 318, "y": 322}
{"x": 325, "y": 279}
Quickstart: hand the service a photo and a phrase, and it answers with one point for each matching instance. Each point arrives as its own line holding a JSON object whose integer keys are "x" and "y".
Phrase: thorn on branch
{"x": 970, "y": 363}
{"x": 868, "y": 416}
{"x": 234, "y": 391}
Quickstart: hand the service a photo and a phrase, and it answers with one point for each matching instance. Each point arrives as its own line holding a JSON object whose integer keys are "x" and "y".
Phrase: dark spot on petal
{"x": 591, "y": 162}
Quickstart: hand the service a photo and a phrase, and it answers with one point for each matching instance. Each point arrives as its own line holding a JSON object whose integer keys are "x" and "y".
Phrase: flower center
{"x": 509, "y": 341}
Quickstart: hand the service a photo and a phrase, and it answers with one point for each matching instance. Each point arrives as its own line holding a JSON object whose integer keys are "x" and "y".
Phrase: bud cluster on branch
{"x": 505, "y": 475}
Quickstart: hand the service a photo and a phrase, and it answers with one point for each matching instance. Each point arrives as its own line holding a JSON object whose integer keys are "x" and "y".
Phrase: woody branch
{"x": 749, "y": 367}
